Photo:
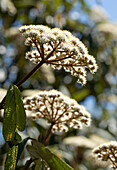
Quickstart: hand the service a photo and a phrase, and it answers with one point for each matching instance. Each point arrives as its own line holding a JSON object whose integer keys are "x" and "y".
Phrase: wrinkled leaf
{"x": 10, "y": 163}
{"x": 39, "y": 150}
{"x": 9, "y": 120}
{"x": 14, "y": 114}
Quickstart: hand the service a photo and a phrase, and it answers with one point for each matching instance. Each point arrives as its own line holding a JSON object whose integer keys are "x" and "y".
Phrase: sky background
{"x": 110, "y": 7}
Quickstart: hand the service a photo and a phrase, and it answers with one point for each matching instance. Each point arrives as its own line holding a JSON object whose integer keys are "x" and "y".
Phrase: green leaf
{"x": 21, "y": 147}
{"x": 9, "y": 120}
{"x": 10, "y": 163}
{"x": 14, "y": 114}
{"x": 38, "y": 165}
{"x": 20, "y": 111}
{"x": 39, "y": 150}
{"x": 16, "y": 140}
{"x": 17, "y": 137}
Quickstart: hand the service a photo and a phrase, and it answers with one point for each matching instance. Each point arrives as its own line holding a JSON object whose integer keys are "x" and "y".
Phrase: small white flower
{"x": 60, "y": 49}
{"x": 107, "y": 152}
{"x": 58, "y": 109}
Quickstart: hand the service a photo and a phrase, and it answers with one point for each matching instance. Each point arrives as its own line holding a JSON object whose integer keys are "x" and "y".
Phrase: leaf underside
{"x": 38, "y": 150}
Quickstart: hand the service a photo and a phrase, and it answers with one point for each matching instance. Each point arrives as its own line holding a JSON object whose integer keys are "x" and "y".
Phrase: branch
{"x": 23, "y": 80}
{"x": 30, "y": 73}
{"x": 54, "y": 49}
{"x": 48, "y": 135}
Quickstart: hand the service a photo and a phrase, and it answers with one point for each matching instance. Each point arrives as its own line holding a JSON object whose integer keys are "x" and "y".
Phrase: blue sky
{"x": 110, "y": 7}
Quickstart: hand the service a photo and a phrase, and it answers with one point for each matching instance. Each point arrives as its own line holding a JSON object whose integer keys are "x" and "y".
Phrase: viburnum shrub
{"x": 59, "y": 49}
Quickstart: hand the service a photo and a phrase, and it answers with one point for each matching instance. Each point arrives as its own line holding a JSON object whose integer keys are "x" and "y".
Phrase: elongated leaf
{"x": 21, "y": 147}
{"x": 38, "y": 165}
{"x": 9, "y": 120}
{"x": 15, "y": 141}
{"x": 20, "y": 111}
{"x": 39, "y": 150}
{"x": 10, "y": 163}
{"x": 14, "y": 113}
{"x": 17, "y": 137}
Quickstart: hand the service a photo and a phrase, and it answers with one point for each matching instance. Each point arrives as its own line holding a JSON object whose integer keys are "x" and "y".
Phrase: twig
{"x": 23, "y": 80}
{"x": 48, "y": 135}
{"x": 30, "y": 74}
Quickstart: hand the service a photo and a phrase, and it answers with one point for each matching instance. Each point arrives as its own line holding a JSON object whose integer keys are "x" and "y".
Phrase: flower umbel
{"x": 60, "y": 111}
{"x": 60, "y": 49}
{"x": 107, "y": 152}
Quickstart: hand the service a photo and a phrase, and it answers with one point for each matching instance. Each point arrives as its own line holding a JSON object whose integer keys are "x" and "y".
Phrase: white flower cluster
{"x": 60, "y": 49}
{"x": 107, "y": 151}
{"x": 61, "y": 111}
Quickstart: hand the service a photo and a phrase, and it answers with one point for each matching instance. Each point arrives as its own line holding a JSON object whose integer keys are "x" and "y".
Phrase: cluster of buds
{"x": 107, "y": 152}
{"x": 61, "y": 111}
{"x": 60, "y": 49}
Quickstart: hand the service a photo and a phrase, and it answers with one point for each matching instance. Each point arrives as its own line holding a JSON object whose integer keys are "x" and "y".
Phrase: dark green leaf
{"x": 21, "y": 147}
{"x": 17, "y": 137}
{"x": 10, "y": 163}
{"x": 38, "y": 165}
{"x": 39, "y": 150}
{"x": 9, "y": 120}
{"x": 16, "y": 140}
{"x": 20, "y": 111}
{"x": 14, "y": 114}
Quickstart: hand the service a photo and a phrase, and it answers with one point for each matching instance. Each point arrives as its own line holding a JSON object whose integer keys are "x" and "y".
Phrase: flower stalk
{"x": 48, "y": 135}
{"x": 23, "y": 80}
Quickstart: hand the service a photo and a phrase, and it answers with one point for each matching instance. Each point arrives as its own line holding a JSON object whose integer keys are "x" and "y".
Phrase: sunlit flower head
{"x": 60, "y": 49}
{"x": 60, "y": 111}
{"x": 107, "y": 152}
